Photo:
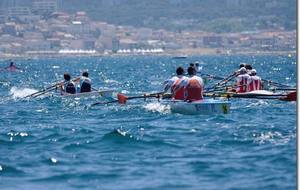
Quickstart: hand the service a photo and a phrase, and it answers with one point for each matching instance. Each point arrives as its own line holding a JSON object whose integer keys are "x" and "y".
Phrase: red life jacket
{"x": 255, "y": 84}
{"x": 179, "y": 94}
{"x": 194, "y": 90}
{"x": 12, "y": 68}
{"x": 242, "y": 85}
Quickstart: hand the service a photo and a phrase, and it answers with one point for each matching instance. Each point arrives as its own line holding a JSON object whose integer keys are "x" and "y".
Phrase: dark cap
{"x": 67, "y": 76}
{"x": 191, "y": 70}
{"x": 85, "y": 74}
{"x": 179, "y": 71}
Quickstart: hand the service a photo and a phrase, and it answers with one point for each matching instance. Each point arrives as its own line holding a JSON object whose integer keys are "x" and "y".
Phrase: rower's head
{"x": 191, "y": 71}
{"x": 242, "y": 71}
{"x": 253, "y": 72}
{"x": 11, "y": 63}
{"x": 192, "y": 65}
{"x": 85, "y": 74}
{"x": 242, "y": 65}
{"x": 67, "y": 77}
{"x": 197, "y": 64}
{"x": 248, "y": 67}
{"x": 179, "y": 71}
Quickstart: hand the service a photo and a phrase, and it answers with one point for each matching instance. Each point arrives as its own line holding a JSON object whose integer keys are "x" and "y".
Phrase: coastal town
{"x": 25, "y": 31}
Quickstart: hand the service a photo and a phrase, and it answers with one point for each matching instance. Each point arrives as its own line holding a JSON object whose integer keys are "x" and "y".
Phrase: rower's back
{"x": 69, "y": 86}
{"x": 255, "y": 82}
{"x": 243, "y": 80}
{"x": 85, "y": 83}
{"x": 194, "y": 87}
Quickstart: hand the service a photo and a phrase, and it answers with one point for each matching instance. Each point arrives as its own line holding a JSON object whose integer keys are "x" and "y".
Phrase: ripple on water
{"x": 55, "y": 143}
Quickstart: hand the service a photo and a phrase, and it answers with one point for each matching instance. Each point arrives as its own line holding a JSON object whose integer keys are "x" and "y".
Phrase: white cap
{"x": 242, "y": 70}
{"x": 253, "y": 71}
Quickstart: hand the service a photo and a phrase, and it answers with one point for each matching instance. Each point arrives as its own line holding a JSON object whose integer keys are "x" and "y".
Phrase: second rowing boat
{"x": 103, "y": 93}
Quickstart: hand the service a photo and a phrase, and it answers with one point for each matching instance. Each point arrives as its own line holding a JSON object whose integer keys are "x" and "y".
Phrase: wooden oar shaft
{"x": 276, "y": 83}
{"x": 101, "y": 103}
{"x": 144, "y": 96}
{"x": 44, "y": 90}
{"x": 52, "y": 87}
{"x": 124, "y": 98}
{"x": 292, "y": 96}
{"x": 211, "y": 76}
{"x": 283, "y": 89}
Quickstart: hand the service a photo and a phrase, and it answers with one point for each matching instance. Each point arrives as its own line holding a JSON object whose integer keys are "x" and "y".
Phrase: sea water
{"x": 53, "y": 143}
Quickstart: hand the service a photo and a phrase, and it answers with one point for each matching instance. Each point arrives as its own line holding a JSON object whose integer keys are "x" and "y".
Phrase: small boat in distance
{"x": 180, "y": 57}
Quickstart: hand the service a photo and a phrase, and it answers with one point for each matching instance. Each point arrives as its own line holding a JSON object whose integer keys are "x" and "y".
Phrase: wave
{"x": 16, "y": 92}
{"x": 157, "y": 107}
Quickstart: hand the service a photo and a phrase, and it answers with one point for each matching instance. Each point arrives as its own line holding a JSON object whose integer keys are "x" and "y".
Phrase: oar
{"x": 122, "y": 99}
{"x": 283, "y": 89}
{"x": 44, "y": 90}
{"x": 52, "y": 87}
{"x": 224, "y": 80}
{"x": 95, "y": 89}
{"x": 292, "y": 96}
{"x": 101, "y": 103}
{"x": 276, "y": 83}
{"x": 211, "y": 76}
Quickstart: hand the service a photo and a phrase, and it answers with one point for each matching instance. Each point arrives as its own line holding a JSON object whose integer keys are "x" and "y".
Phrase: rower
{"x": 68, "y": 85}
{"x": 237, "y": 72}
{"x": 248, "y": 68}
{"x": 12, "y": 67}
{"x": 192, "y": 65}
{"x": 194, "y": 86}
{"x": 85, "y": 83}
{"x": 243, "y": 79}
{"x": 197, "y": 67}
{"x": 255, "y": 82}
{"x": 176, "y": 84}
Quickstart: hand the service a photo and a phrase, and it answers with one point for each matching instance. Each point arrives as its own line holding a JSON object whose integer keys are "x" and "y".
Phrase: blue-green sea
{"x": 54, "y": 143}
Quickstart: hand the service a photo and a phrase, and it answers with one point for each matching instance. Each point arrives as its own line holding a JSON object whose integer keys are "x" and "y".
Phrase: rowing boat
{"x": 205, "y": 106}
{"x": 262, "y": 94}
{"x": 257, "y": 94}
{"x": 104, "y": 93}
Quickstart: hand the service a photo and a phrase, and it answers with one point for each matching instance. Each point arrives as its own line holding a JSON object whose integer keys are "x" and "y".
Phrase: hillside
{"x": 208, "y": 15}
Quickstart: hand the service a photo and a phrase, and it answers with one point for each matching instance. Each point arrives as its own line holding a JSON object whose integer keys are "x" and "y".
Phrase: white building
{"x": 44, "y": 6}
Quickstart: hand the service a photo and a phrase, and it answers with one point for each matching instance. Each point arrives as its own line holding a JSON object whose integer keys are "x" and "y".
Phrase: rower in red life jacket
{"x": 12, "y": 67}
{"x": 255, "y": 82}
{"x": 176, "y": 84}
{"x": 243, "y": 80}
{"x": 194, "y": 86}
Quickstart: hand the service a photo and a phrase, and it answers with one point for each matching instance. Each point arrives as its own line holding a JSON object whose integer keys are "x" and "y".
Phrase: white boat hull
{"x": 205, "y": 106}
{"x": 261, "y": 94}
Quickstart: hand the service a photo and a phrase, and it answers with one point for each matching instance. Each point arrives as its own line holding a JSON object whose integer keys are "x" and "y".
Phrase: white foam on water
{"x": 108, "y": 81}
{"x": 16, "y": 92}
{"x": 124, "y": 91}
{"x": 259, "y": 103}
{"x": 157, "y": 107}
{"x": 272, "y": 137}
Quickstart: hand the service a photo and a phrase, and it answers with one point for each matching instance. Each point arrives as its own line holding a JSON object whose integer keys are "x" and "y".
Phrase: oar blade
{"x": 292, "y": 96}
{"x": 121, "y": 98}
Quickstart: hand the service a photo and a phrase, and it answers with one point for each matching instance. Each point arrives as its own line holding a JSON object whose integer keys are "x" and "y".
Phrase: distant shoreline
{"x": 174, "y": 55}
